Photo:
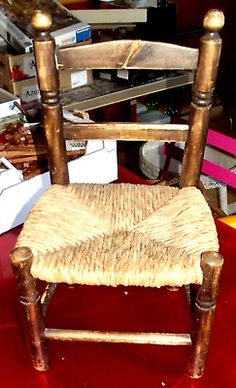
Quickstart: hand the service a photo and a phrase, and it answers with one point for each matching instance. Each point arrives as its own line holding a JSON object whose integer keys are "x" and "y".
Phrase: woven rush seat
{"x": 119, "y": 234}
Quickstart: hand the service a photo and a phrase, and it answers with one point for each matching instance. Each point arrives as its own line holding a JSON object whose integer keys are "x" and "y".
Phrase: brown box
{"x": 18, "y": 75}
{"x": 16, "y": 67}
{"x": 27, "y": 89}
{"x": 21, "y": 66}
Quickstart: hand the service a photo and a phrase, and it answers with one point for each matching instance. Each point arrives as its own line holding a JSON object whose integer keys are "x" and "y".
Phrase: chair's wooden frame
{"x": 123, "y": 54}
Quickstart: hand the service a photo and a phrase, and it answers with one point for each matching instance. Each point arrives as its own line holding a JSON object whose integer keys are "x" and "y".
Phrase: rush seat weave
{"x": 119, "y": 234}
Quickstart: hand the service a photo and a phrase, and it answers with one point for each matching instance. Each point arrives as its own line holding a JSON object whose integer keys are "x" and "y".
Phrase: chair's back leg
{"x": 48, "y": 80}
{"x": 203, "y": 88}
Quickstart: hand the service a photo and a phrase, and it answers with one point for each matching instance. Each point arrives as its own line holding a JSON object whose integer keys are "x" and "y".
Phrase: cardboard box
{"x": 16, "y": 28}
{"x": 21, "y": 66}
{"x": 27, "y": 89}
{"x": 98, "y": 165}
{"x": 18, "y": 75}
{"x": 16, "y": 67}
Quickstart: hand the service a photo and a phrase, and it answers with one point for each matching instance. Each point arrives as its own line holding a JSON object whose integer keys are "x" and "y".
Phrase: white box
{"x": 7, "y": 104}
{"x": 98, "y": 165}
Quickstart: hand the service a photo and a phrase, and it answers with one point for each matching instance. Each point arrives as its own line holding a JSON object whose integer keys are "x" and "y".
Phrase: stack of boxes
{"x": 17, "y": 66}
{"x": 18, "y": 76}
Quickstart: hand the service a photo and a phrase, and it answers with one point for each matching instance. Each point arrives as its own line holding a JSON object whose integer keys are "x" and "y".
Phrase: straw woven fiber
{"x": 119, "y": 234}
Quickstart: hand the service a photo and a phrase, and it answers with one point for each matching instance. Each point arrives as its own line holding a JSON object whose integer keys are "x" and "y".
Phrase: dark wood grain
{"x": 126, "y": 131}
{"x": 128, "y": 54}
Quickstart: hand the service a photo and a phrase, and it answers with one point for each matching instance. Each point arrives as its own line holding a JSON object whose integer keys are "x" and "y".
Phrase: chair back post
{"x": 203, "y": 89}
{"x": 47, "y": 73}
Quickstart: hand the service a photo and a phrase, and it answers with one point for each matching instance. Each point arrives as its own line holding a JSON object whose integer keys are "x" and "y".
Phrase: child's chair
{"x": 121, "y": 234}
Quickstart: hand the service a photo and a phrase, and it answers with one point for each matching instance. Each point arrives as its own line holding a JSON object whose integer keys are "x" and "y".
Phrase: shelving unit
{"x": 102, "y": 92}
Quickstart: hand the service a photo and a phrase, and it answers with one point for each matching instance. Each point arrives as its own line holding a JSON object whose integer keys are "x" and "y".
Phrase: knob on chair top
{"x": 41, "y": 20}
{"x": 214, "y": 20}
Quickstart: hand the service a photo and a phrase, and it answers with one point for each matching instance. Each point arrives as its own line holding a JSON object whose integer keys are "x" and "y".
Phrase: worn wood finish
{"x": 126, "y": 131}
{"x": 21, "y": 259}
{"x": 44, "y": 50}
{"x": 128, "y": 54}
{"x": 204, "y": 311}
{"x": 119, "y": 337}
{"x": 203, "y": 88}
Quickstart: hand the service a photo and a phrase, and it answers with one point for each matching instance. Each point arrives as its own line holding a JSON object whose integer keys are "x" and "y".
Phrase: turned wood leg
{"x": 211, "y": 264}
{"x": 31, "y": 307}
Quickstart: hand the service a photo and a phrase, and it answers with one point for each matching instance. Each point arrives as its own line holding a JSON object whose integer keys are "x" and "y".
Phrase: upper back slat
{"x": 128, "y": 54}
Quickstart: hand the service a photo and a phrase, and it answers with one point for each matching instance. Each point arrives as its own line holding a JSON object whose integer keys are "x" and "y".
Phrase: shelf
{"x": 102, "y": 92}
{"x": 112, "y": 16}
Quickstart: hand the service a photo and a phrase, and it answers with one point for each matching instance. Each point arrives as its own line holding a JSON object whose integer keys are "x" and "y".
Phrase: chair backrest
{"x": 127, "y": 54}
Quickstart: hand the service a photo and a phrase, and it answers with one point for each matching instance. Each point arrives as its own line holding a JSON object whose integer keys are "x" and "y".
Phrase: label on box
{"x": 79, "y": 78}
{"x": 66, "y": 39}
{"x": 29, "y": 65}
{"x": 30, "y": 93}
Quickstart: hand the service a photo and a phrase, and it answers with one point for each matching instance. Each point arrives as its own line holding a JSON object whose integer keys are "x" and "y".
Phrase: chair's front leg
{"x": 31, "y": 307}
{"x": 204, "y": 310}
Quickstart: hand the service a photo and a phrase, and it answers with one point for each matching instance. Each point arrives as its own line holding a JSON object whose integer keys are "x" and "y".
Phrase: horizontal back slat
{"x": 128, "y": 54}
{"x": 126, "y": 131}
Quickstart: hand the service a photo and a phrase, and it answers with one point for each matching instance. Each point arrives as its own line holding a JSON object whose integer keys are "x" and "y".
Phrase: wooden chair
{"x": 121, "y": 234}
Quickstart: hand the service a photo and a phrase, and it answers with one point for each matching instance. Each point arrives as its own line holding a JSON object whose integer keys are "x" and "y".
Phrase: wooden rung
{"x": 126, "y": 131}
{"x": 135, "y": 338}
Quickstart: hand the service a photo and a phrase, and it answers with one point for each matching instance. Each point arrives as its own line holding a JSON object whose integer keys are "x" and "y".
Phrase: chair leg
{"x": 31, "y": 307}
{"x": 204, "y": 310}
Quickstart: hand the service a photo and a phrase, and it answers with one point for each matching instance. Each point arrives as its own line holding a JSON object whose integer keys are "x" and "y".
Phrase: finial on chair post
{"x": 214, "y": 20}
{"x": 41, "y": 21}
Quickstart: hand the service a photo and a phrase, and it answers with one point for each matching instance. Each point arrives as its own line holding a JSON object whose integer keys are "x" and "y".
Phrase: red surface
{"x": 123, "y": 308}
